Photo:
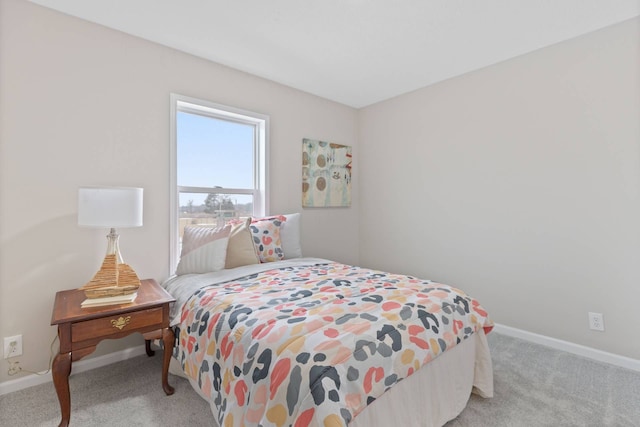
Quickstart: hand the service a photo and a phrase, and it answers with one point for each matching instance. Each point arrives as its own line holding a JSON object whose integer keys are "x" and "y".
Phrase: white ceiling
{"x": 356, "y": 52}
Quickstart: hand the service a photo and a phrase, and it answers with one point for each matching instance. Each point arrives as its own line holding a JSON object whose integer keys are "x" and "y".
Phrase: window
{"x": 218, "y": 166}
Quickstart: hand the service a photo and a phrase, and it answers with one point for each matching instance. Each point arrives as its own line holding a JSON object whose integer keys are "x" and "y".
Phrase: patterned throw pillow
{"x": 204, "y": 249}
{"x": 240, "y": 250}
{"x": 266, "y": 238}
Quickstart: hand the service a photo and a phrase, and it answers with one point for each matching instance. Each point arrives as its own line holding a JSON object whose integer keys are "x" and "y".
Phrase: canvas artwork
{"x": 326, "y": 174}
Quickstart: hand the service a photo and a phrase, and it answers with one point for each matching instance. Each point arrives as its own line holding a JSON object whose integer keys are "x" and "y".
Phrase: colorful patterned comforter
{"x": 314, "y": 345}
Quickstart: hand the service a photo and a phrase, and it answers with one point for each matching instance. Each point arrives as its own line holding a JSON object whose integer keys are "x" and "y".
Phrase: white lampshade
{"x": 110, "y": 207}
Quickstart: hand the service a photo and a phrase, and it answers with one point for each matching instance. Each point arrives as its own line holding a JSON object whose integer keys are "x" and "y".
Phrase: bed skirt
{"x": 435, "y": 394}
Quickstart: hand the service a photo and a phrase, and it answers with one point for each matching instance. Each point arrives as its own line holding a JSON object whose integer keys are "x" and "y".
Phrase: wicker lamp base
{"x": 113, "y": 279}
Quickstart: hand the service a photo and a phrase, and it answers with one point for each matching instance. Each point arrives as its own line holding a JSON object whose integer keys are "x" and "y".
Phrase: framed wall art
{"x": 326, "y": 174}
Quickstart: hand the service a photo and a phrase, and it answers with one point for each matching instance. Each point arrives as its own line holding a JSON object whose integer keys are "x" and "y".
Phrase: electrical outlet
{"x": 596, "y": 321}
{"x": 12, "y": 346}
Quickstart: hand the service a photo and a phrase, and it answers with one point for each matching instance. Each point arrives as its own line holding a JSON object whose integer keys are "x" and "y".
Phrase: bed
{"x": 311, "y": 342}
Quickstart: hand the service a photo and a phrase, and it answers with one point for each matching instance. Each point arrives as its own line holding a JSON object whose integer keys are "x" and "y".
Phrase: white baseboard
{"x": 569, "y": 347}
{"x": 77, "y": 367}
{"x": 97, "y": 362}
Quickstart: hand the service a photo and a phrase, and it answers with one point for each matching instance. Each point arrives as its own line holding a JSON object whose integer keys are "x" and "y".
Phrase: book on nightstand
{"x": 118, "y": 299}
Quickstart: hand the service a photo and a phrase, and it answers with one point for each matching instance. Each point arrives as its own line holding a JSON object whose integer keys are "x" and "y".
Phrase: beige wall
{"x": 84, "y": 105}
{"x": 520, "y": 183}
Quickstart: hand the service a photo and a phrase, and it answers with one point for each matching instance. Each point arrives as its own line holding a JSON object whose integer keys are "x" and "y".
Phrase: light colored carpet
{"x": 534, "y": 386}
{"x": 126, "y": 394}
{"x": 538, "y": 386}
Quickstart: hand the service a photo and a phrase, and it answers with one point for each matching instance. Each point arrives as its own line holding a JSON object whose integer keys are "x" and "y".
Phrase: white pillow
{"x": 204, "y": 249}
{"x": 290, "y": 236}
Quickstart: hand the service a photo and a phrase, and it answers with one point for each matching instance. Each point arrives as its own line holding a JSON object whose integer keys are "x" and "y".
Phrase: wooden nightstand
{"x": 81, "y": 329}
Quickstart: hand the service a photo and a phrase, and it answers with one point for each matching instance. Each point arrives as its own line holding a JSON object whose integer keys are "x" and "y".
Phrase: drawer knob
{"x": 121, "y": 322}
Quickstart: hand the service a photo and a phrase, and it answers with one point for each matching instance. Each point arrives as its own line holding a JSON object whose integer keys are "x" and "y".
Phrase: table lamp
{"x": 111, "y": 207}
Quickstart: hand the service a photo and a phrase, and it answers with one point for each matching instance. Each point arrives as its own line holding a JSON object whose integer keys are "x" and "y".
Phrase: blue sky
{"x": 213, "y": 152}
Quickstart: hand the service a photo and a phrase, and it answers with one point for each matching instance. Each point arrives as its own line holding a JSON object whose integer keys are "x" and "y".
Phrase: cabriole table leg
{"x": 61, "y": 369}
{"x": 168, "y": 339}
{"x": 147, "y": 347}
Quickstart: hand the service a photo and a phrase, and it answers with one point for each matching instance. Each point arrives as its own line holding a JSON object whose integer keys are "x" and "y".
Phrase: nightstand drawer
{"x": 112, "y": 325}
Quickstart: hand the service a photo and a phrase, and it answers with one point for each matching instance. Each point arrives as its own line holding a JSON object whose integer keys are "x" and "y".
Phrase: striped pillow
{"x": 204, "y": 249}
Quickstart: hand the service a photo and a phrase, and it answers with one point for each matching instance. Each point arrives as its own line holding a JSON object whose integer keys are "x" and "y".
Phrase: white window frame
{"x": 181, "y": 103}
